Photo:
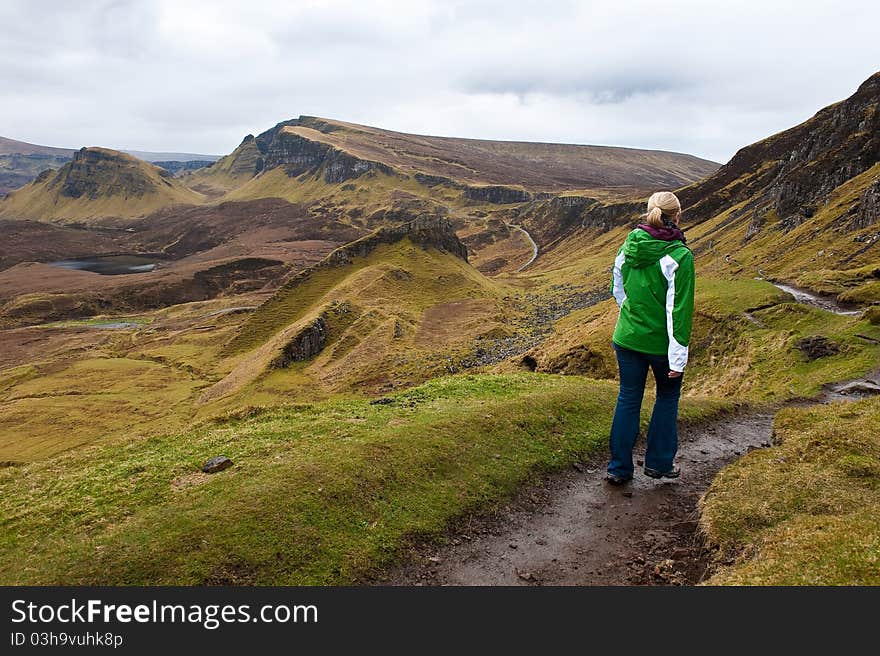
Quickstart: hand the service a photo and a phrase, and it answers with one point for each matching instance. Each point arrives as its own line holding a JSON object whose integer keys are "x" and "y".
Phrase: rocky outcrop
{"x": 305, "y": 345}
{"x": 98, "y": 172}
{"x": 817, "y": 346}
{"x": 299, "y": 155}
{"x": 428, "y": 231}
{"x": 555, "y": 217}
{"x": 868, "y": 212}
{"x": 216, "y": 464}
{"x": 497, "y": 194}
{"x": 311, "y": 339}
{"x": 436, "y": 180}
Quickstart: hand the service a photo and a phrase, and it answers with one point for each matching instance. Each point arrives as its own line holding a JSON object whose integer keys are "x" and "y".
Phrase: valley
{"x": 388, "y": 333}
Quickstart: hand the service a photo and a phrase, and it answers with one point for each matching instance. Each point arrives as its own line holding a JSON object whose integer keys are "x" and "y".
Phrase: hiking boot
{"x": 613, "y": 479}
{"x": 675, "y": 472}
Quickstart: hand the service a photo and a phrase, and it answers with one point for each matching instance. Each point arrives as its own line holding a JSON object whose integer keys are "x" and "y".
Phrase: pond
{"x": 111, "y": 265}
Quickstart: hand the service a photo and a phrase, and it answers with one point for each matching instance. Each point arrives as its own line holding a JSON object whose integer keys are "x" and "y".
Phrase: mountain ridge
{"x": 539, "y": 166}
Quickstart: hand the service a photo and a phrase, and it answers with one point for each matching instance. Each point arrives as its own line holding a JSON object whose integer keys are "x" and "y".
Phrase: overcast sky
{"x": 172, "y": 75}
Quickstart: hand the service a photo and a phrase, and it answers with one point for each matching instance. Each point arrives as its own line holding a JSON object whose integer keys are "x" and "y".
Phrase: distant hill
{"x": 12, "y": 147}
{"x": 152, "y": 157}
{"x": 343, "y": 151}
{"x": 21, "y": 162}
{"x": 97, "y": 182}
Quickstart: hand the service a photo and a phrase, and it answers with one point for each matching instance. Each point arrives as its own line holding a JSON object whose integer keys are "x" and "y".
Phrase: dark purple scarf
{"x": 668, "y": 232}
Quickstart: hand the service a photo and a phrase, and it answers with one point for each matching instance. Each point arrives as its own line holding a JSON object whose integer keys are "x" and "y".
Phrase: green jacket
{"x": 653, "y": 283}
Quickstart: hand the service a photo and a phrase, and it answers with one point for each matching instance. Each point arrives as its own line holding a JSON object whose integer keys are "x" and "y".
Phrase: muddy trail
{"x": 573, "y": 528}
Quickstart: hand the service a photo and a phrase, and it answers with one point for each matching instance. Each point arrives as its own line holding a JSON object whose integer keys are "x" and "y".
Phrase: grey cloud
{"x": 197, "y": 76}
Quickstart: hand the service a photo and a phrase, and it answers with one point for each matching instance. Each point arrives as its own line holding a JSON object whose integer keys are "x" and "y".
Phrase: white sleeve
{"x": 678, "y": 354}
{"x": 617, "y": 276}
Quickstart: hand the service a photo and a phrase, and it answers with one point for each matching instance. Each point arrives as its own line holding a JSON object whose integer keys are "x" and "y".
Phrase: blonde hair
{"x": 663, "y": 203}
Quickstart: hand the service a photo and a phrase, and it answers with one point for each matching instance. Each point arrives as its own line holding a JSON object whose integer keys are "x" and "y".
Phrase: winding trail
{"x": 531, "y": 241}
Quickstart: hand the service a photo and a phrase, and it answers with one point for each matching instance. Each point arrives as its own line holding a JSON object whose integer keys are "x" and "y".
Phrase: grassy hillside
{"x": 97, "y": 183}
{"x": 832, "y": 252}
{"x": 386, "y": 315}
{"x": 807, "y": 510}
{"x": 229, "y": 172}
{"x": 747, "y": 343}
{"x": 319, "y": 494}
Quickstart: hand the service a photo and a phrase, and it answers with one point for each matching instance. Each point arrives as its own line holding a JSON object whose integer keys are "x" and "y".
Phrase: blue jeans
{"x": 662, "y": 432}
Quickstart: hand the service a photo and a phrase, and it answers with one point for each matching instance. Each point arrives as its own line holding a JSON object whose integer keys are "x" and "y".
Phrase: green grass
{"x": 762, "y": 363}
{"x": 45, "y": 412}
{"x": 806, "y": 511}
{"x": 321, "y": 493}
{"x": 859, "y": 285}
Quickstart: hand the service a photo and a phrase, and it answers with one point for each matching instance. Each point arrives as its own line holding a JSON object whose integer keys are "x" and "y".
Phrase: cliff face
{"x": 299, "y": 155}
{"x": 497, "y": 194}
{"x": 428, "y": 231}
{"x": 775, "y": 185}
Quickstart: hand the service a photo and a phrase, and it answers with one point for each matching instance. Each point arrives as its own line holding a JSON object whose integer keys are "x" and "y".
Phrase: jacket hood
{"x": 642, "y": 249}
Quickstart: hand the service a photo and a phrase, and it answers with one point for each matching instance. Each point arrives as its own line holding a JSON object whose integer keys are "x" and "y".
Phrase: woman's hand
{"x": 674, "y": 374}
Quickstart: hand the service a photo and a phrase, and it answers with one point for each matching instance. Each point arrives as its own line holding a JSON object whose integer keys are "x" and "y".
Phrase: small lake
{"x": 111, "y": 265}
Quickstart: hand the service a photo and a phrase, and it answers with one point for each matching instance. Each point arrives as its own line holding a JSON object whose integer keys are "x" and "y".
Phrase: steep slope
{"x": 230, "y": 171}
{"x": 392, "y": 306}
{"x": 801, "y": 206}
{"x": 98, "y": 183}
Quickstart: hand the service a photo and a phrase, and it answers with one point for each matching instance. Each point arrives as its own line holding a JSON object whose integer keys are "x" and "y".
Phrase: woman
{"x": 653, "y": 283}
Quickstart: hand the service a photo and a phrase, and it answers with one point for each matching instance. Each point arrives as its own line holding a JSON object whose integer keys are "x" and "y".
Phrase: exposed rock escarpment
{"x": 299, "y": 155}
{"x": 552, "y": 218}
{"x": 427, "y": 231}
{"x": 778, "y": 183}
{"x": 868, "y": 212}
{"x": 497, "y": 194}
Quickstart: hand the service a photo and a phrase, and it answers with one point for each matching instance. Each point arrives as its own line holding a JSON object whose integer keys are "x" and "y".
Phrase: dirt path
{"x": 530, "y": 240}
{"x": 574, "y": 529}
